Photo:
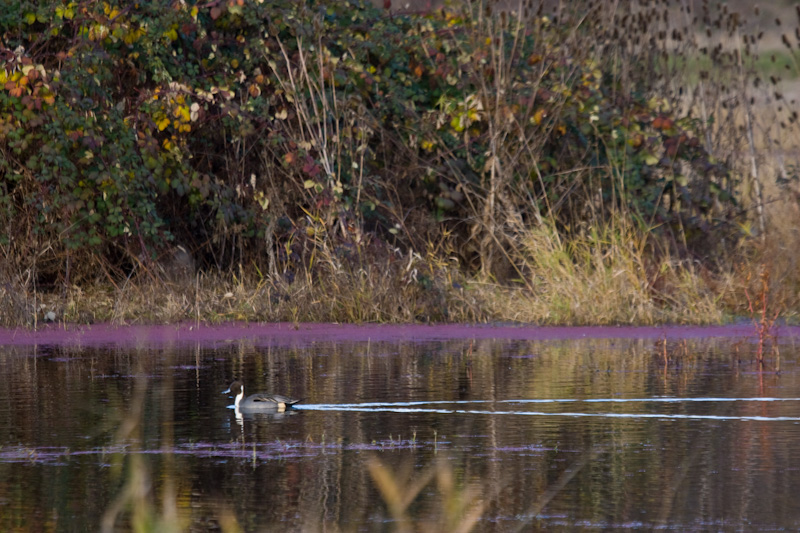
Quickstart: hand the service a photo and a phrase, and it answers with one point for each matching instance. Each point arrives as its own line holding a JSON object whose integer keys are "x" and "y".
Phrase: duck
{"x": 259, "y": 401}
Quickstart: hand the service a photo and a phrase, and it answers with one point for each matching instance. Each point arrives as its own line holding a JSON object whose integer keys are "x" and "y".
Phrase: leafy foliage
{"x": 245, "y": 127}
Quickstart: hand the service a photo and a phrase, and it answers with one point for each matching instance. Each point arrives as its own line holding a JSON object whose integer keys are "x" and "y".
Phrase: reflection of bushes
{"x": 243, "y": 128}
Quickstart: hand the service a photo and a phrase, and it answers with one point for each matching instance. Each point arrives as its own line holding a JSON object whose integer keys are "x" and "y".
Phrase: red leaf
{"x": 312, "y": 169}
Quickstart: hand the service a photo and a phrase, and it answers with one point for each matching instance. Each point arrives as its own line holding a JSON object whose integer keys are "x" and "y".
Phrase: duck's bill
{"x": 227, "y": 391}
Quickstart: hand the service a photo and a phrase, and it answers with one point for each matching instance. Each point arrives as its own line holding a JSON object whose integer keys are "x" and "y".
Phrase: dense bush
{"x": 250, "y": 129}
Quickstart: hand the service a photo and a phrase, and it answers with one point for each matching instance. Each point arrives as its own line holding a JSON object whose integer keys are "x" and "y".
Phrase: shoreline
{"x": 283, "y": 333}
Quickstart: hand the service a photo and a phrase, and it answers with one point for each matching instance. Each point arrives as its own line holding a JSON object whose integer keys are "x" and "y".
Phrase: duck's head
{"x": 237, "y": 390}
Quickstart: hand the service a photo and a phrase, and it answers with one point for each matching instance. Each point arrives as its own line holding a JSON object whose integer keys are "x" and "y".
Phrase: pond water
{"x": 401, "y": 429}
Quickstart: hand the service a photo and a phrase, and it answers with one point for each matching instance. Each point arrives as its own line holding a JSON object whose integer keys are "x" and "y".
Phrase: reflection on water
{"x": 431, "y": 435}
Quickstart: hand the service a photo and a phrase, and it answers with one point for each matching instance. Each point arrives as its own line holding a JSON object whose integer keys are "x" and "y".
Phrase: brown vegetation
{"x": 593, "y": 164}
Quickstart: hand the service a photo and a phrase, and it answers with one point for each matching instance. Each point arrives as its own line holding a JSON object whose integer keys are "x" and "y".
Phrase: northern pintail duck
{"x": 259, "y": 401}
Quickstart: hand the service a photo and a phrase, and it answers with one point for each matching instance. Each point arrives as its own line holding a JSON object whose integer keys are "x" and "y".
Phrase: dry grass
{"x": 607, "y": 277}
{"x": 458, "y": 508}
{"x": 366, "y": 287}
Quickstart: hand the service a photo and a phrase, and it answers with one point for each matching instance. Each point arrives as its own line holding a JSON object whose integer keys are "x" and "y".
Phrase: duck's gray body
{"x": 259, "y": 401}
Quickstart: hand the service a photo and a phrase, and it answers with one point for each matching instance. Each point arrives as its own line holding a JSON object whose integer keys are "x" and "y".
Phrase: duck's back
{"x": 268, "y": 401}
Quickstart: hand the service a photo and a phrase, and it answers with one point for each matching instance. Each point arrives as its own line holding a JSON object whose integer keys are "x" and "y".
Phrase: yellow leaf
{"x": 262, "y": 199}
{"x": 30, "y": 18}
{"x": 163, "y": 123}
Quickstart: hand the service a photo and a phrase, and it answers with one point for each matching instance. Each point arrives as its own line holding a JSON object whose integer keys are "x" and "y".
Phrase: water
{"x": 420, "y": 431}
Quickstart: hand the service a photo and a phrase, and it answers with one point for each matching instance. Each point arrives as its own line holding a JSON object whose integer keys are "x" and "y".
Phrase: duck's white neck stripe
{"x": 239, "y": 397}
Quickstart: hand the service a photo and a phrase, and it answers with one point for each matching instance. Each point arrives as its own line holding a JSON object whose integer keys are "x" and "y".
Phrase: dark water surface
{"x": 409, "y": 429}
